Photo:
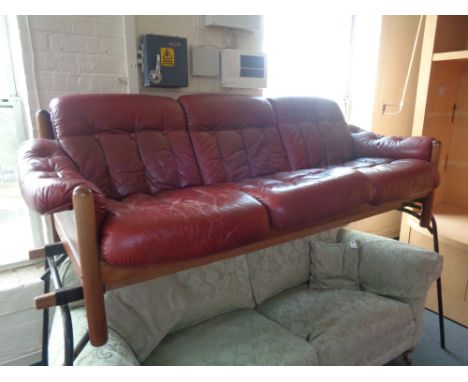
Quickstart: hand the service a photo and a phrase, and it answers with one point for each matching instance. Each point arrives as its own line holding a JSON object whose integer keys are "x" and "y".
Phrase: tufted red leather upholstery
{"x": 396, "y": 179}
{"x": 181, "y": 224}
{"x": 284, "y": 164}
{"x": 306, "y": 196}
{"x": 315, "y": 135}
{"x": 368, "y": 144}
{"x": 404, "y": 172}
{"x": 126, "y": 144}
{"x": 48, "y": 177}
{"x": 400, "y": 179}
{"x": 234, "y": 137}
{"x": 313, "y": 130}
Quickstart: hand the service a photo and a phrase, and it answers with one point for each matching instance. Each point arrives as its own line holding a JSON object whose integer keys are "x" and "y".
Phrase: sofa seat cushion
{"x": 347, "y": 327}
{"x": 363, "y": 163}
{"x": 178, "y": 225}
{"x": 302, "y": 197}
{"x": 400, "y": 179}
{"x": 243, "y": 337}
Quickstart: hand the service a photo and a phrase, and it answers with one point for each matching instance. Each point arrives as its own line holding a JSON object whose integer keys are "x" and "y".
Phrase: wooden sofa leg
{"x": 93, "y": 289}
{"x": 426, "y": 212}
{"x": 407, "y": 357}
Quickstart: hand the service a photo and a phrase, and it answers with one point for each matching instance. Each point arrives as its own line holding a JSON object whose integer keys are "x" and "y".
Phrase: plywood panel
{"x": 458, "y": 151}
{"x": 452, "y": 222}
{"x": 386, "y": 224}
{"x": 441, "y": 85}
{"x": 456, "y": 185}
{"x": 449, "y": 56}
{"x": 444, "y": 87}
{"x": 424, "y": 74}
{"x": 451, "y": 33}
{"x": 456, "y": 190}
{"x": 455, "y": 268}
{"x": 454, "y": 308}
{"x": 443, "y": 91}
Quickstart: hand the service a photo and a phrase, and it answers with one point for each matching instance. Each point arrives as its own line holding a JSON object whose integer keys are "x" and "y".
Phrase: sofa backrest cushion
{"x": 215, "y": 289}
{"x": 126, "y": 143}
{"x": 275, "y": 269}
{"x": 313, "y": 130}
{"x": 144, "y": 313}
{"x": 234, "y": 136}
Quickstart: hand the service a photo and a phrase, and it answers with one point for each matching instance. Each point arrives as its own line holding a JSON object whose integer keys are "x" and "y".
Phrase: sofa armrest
{"x": 116, "y": 352}
{"x": 47, "y": 178}
{"x": 368, "y": 144}
{"x": 394, "y": 269}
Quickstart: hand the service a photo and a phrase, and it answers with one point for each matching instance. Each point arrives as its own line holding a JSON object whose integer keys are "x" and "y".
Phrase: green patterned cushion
{"x": 334, "y": 265}
{"x": 391, "y": 268}
{"x": 329, "y": 236}
{"x": 347, "y": 327}
{"x": 215, "y": 289}
{"x": 115, "y": 352}
{"x": 144, "y": 313}
{"x": 69, "y": 279}
{"x": 243, "y": 337}
{"x": 275, "y": 269}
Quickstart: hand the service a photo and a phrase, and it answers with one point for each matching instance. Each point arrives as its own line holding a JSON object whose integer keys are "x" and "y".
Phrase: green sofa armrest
{"x": 116, "y": 352}
{"x": 391, "y": 268}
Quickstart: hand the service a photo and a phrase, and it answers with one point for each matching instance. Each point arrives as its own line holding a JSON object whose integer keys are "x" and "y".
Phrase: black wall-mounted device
{"x": 164, "y": 61}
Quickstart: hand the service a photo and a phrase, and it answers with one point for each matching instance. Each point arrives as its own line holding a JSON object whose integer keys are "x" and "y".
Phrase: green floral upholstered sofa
{"x": 285, "y": 305}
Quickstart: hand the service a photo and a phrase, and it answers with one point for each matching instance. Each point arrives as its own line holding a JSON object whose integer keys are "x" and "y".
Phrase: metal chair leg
{"x": 441, "y": 313}
{"x": 51, "y": 272}
{"x": 45, "y": 320}
{"x": 435, "y": 238}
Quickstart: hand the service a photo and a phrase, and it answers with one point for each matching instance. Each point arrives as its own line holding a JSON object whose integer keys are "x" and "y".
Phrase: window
{"x": 324, "y": 55}
{"x": 20, "y": 227}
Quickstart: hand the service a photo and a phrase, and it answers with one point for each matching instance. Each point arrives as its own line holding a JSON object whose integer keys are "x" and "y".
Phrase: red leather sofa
{"x": 174, "y": 180}
{"x": 178, "y": 179}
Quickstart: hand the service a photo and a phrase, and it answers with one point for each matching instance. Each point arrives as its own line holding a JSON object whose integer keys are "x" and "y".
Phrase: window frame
{"x": 14, "y": 102}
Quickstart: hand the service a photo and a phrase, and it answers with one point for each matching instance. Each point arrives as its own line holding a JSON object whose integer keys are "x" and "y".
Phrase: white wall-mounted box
{"x": 246, "y": 22}
{"x": 205, "y": 61}
{"x": 243, "y": 69}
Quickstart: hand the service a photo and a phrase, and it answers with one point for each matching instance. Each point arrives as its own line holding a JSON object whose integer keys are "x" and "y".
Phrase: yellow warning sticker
{"x": 167, "y": 57}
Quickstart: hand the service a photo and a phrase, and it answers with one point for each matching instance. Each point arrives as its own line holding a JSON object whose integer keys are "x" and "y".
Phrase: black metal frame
{"x": 410, "y": 208}
{"x": 63, "y": 297}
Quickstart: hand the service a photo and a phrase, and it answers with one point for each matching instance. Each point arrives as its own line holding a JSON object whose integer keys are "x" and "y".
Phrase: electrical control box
{"x": 164, "y": 61}
{"x": 205, "y": 61}
{"x": 243, "y": 69}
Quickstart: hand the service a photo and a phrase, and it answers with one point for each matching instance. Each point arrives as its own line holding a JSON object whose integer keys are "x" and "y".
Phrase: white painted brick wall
{"x": 73, "y": 54}
{"x": 77, "y": 54}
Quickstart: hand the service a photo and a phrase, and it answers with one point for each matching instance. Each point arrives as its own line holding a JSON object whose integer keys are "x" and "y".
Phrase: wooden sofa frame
{"x": 75, "y": 234}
